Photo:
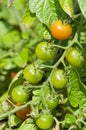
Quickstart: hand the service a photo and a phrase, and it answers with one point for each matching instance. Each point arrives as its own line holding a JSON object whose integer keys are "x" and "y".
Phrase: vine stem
{"x": 61, "y": 60}
{"x": 14, "y": 110}
{"x": 58, "y": 46}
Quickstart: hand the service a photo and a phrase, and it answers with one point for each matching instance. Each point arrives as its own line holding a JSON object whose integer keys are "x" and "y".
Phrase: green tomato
{"x": 45, "y": 51}
{"x": 32, "y": 75}
{"x": 69, "y": 120}
{"x": 45, "y": 121}
{"x": 74, "y": 57}
{"x": 19, "y": 95}
{"x": 52, "y": 101}
{"x": 58, "y": 79}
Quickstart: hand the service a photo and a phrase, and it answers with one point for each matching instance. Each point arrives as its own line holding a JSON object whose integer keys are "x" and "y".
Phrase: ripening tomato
{"x": 23, "y": 113}
{"x": 32, "y": 75}
{"x": 12, "y": 75}
{"x": 45, "y": 121}
{"x": 19, "y": 95}
{"x": 74, "y": 57}
{"x": 58, "y": 79}
{"x": 45, "y": 51}
{"x": 60, "y": 30}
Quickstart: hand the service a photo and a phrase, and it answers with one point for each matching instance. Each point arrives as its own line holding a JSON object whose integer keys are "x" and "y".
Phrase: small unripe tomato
{"x": 45, "y": 51}
{"x": 58, "y": 79}
{"x": 18, "y": 94}
{"x": 74, "y": 57}
{"x": 32, "y": 74}
{"x": 45, "y": 121}
{"x": 60, "y": 30}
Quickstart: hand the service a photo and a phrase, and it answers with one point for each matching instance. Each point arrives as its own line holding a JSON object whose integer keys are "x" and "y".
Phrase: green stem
{"x": 9, "y": 123}
{"x": 72, "y": 127}
{"x": 62, "y": 57}
{"x": 6, "y": 55}
{"x": 2, "y": 116}
{"x": 46, "y": 66}
{"x": 46, "y": 107}
{"x": 82, "y": 121}
{"x": 58, "y": 46}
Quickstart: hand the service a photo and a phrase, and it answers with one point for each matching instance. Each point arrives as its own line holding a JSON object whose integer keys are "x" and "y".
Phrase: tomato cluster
{"x": 34, "y": 74}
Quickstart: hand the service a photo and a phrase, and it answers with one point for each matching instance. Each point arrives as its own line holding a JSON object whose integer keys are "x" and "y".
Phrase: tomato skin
{"x": 51, "y": 99}
{"x": 12, "y": 75}
{"x": 58, "y": 79}
{"x": 22, "y": 114}
{"x": 19, "y": 95}
{"x": 61, "y": 31}
{"x": 45, "y": 51}
{"x": 45, "y": 121}
{"x": 32, "y": 75}
{"x": 52, "y": 102}
{"x": 74, "y": 57}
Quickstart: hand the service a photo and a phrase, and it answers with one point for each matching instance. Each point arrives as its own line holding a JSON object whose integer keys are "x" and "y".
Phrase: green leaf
{"x": 28, "y": 125}
{"x": 76, "y": 89}
{"x": 67, "y": 6}
{"x": 70, "y": 119}
{"x": 28, "y": 17}
{"x": 14, "y": 120}
{"x": 22, "y": 58}
{"x": 45, "y": 10}
{"x": 10, "y": 3}
{"x": 3, "y": 29}
{"x": 11, "y": 38}
{"x": 82, "y": 4}
{"x": 7, "y": 64}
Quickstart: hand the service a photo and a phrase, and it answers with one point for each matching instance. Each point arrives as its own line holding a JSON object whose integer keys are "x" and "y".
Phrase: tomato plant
{"x": 19, "y": 95}
{"x": 74, "y": 57}
{"x": 45, "y": 51}
{"x": 61, "y": 31}
{"x": 45, "y": 121}
{"x": 58, "y": 79}
{"x": 32, "y": 74}
{"x": 45, "y": 43}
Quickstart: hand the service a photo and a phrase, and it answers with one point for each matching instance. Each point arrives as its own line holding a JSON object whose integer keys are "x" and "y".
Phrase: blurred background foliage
{"x": 17, "y": 39}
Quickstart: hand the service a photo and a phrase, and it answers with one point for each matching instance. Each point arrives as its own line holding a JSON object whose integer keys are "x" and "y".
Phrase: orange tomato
{"x": 61, "y": 31}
